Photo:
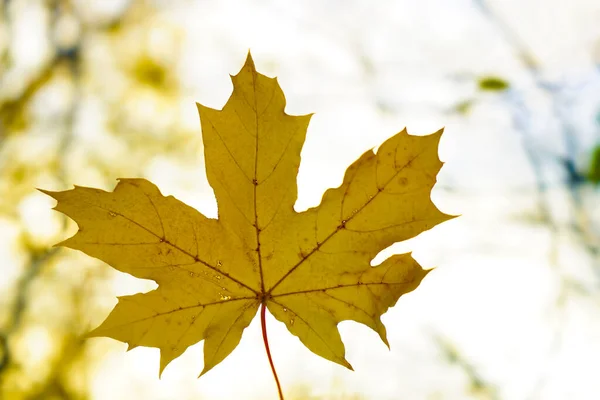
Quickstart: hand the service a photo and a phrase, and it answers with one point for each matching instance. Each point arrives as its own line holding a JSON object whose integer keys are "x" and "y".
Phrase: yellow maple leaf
{"x": 310, "y": 269}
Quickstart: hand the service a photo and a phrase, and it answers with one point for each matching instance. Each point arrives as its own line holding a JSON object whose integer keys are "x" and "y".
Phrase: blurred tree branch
{"x": 555, "y": 91}
{"x": 13, "y": 118}
{"x": 71, "y": 71}
{"x": 32, "y": 270}
{"x": 479, "y": 386}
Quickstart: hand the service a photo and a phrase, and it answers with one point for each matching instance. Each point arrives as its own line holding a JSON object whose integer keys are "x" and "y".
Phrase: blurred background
{"x": 95, "y": 90}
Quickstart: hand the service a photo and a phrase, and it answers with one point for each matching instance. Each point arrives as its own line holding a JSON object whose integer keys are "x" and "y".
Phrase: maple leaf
{"x": 311, "y": 269}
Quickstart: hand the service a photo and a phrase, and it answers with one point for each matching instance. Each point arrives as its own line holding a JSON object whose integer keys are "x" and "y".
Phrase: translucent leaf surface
{"x": 311, "y": 269}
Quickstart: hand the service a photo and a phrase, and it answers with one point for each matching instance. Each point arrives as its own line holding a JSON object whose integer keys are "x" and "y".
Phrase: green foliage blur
{"x": 492, "y": 84}
{"x": 594, "y": 171}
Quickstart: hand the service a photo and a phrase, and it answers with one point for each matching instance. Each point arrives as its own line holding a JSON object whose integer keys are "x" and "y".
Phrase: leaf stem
{"x": 263, "y": 324}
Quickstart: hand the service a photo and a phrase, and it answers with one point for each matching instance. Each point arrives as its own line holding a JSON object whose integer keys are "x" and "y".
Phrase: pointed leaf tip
{"x": 383, "y": 335}
{"x": 348, "y": 365}
{"x": 91, "y": 334}
{"x": 163, "y": 365}
{"x": 249, "y": 63}
{"x": 204, "y": 371}
{"x": 44, "y": 191}
{"x": 51, "y": 193}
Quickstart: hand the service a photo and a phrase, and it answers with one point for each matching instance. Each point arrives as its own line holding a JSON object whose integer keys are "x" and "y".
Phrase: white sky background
{"x": 368, "y": 69}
